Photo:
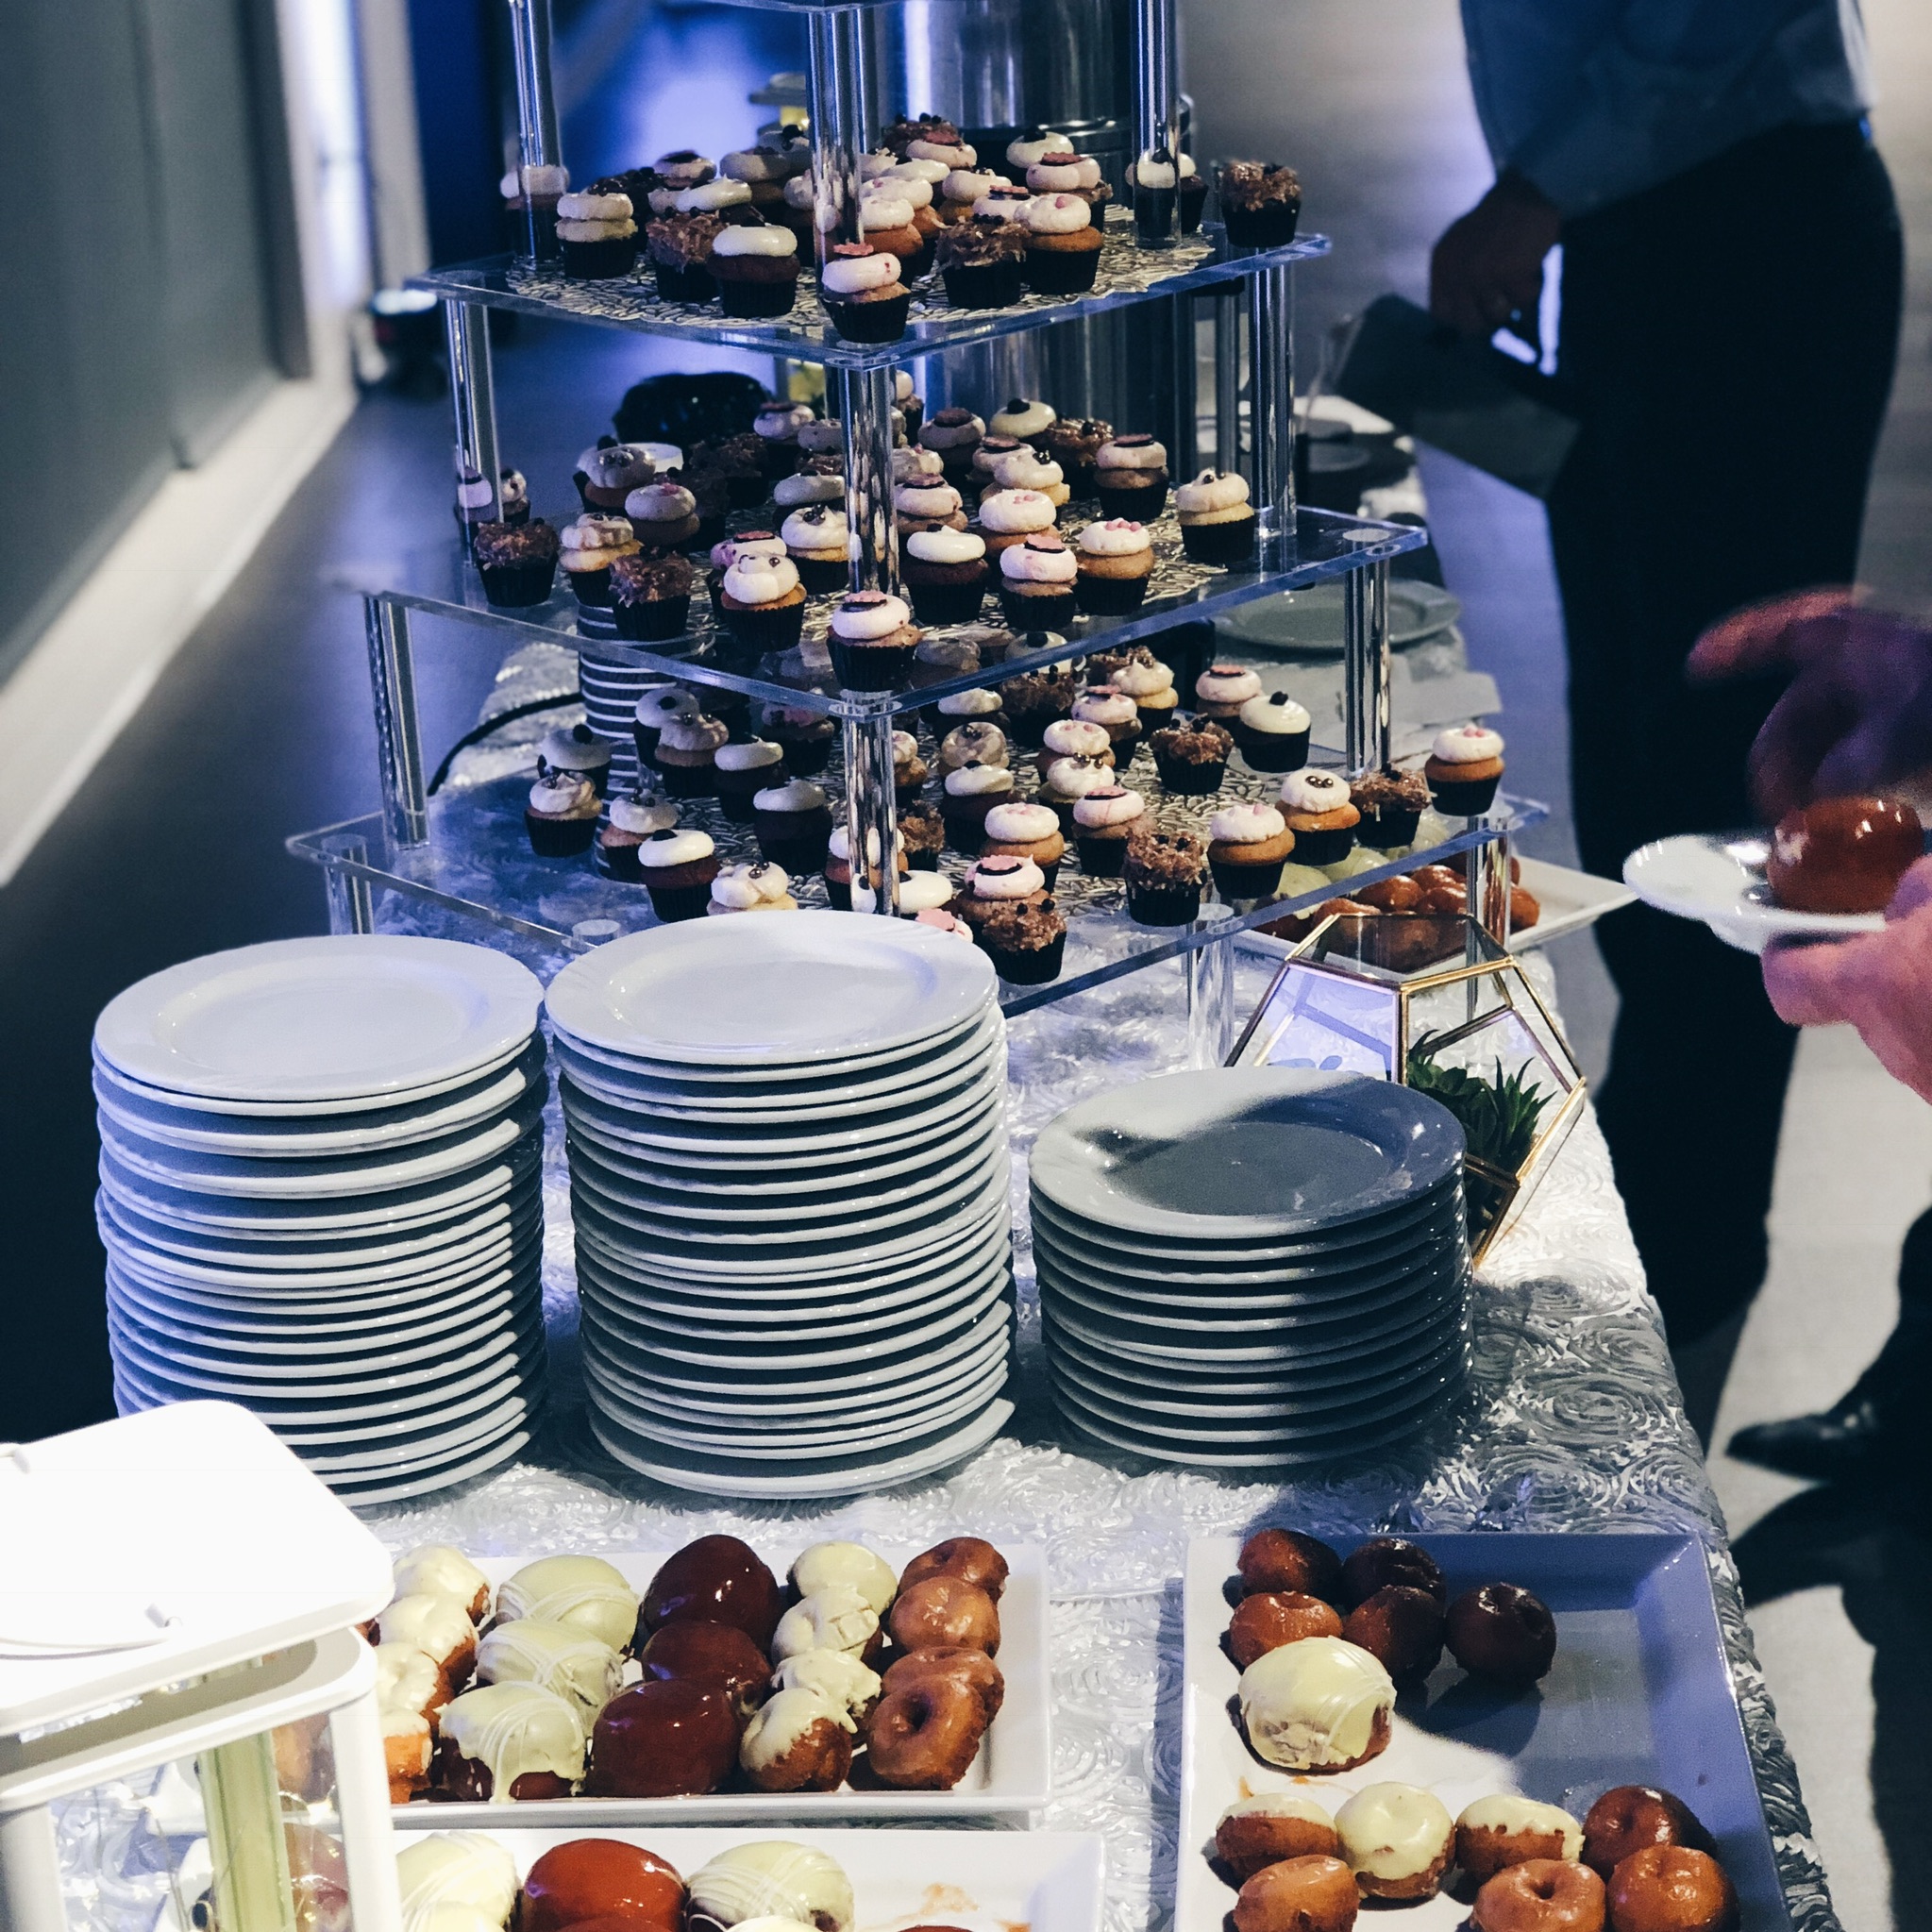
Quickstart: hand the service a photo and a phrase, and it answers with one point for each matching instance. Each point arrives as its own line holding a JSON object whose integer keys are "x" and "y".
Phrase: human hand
{"x": 1487, "y": 271}
{"x": 1881, "y": 982}
{"x": 1857, "y": 716}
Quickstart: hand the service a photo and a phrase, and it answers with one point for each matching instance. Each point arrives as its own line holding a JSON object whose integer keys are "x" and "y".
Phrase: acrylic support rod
{"x": 1485, "y": 873}
{"x": 1271, "y": 398}
{"x": 1367, "y": 671}
{"x": 473, "y": 399}
{"x": 871, "y": 808}
{"x": 1157, "y": 115}
{"x": 838, "y": 44}
{"x": 1227, "y": 380}
{"x": 539, "y": 145}
{"x": 398, "y": 744}
{"x": 864, "y": 400}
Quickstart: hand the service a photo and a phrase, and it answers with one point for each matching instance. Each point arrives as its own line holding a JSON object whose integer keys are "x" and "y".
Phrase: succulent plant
{"x": 1498, "y": 1117}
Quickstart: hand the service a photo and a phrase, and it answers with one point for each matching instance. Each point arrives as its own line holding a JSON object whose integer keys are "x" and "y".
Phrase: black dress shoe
{"x": 1848, "y": 1439}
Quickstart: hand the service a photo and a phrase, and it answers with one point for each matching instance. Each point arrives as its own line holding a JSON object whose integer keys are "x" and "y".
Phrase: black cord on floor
{"x": 489, "y": 725}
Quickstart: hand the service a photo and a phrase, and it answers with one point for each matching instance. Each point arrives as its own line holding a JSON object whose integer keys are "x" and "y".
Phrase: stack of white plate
{"x": 1252, "y": 1267}
{"x": 789, "y": 1171}
{"x": 321, "y": 1198}
{"x": 610, "y": 691}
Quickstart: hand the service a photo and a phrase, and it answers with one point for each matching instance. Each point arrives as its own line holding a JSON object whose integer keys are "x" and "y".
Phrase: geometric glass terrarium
{"x": 1437, "y": 1004}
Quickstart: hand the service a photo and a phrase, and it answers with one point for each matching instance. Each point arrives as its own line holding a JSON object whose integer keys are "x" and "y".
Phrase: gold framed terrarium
{"x": 1437, "y": 1004}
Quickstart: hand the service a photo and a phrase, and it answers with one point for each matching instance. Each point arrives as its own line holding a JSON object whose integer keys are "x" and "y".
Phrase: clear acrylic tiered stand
{"x": 466, "y": 852}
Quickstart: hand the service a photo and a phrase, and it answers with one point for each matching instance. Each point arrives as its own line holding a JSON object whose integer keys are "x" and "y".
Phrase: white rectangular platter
{"x": 1011, "y": 1775}
{"x": 1011, "y": 1881}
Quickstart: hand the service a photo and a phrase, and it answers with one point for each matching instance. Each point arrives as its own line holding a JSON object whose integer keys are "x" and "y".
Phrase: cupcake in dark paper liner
{"x": 993, "y": 882}
{"x": 1247, "y": 847}
{"x": 1130, "y": 477}
{"x": 473, "y": 500}
{"x": 1036, "y": 699}
{"x": 516, "y": 562}
{"x": 793, "y": 823}
{"x": 1074, "y": 738}
{"x": 872, "y": 640}
{"x": 970, "y": 791}
{"x": 1115, "y": 560}
{"x": 1150, "y": 684}
{"x": 818, "y": 545}
{"x": 687, "y": 755}
{"x": 737, "y": 460}
{"x": 678, "y": 249}
{"x": 807, "y": 736}
{"x": 927, "y": 503}
{"x": 591, "y": 546}
{"x": 1007, "y": 518}
{"x": 756, "y": 268}
{"x": 1272, "y": 731}
{"x": 766, "y": 543}
{"x": 978, "y": 706}
{"x": 864, "y": 297}
{"x": 1062, "y": 246}
{"x": 1217, "y": 522}
{"x": 1191, "y": 756}
{"x": 1391, "y": 804}
{"x": 1165, "y": 872}
{"x": 1153, "y": 182}
{"x": 579, "y": 750}
{"x": 745, "y": 768}
{"x": 1036, "y": 580}
{"x": 597, "y": 230}
{"x": 924, "y": 832}
{"x": 529, "y": 203}
{"x": 1464, "y": 769}
{"x": 765, "y": 171}
{"x": 919, "y": 892}
{"x": 1221, "y": 690}
{"x": 946, "y": 574}
{"x": 838, "y": 865}
{"x": 561, "y": 814}
{"x": 657, "y": 704}
{"x": 633, "y": 820}
{"x": 1018, "y": 830}
{"x": 776, "y": 425}
{"x": 763, "y": 603}
{"x": 1261, "y": 204}
{"x": 983, "y": 262}
{"x": 664, "y": 516}
{"x": 1115, "y": 711}
{"x": 1025, "y": 468}
{"x": 677, "y": 866}
{"x": 607, "y": 473}
{"x": 1103, "y": 821}
{"x": 1191, "y": 193}
{"x": 952, "y": 435}
{"x": 1027, "y": 944}
{"x": 1316, "y": 809}
{"x": 821, "y": 455}
{"x": 1067, "y": 780}
{"x": 650, "y": 597}
{"x": 1074, "y": 443}
{"x": 1064, "y": 172}
{"x": 762, "y": 888}
{"x": 909, "y": 767}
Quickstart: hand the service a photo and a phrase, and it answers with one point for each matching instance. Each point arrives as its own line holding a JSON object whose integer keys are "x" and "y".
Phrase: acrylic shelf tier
{"x": 1127, "y": 275}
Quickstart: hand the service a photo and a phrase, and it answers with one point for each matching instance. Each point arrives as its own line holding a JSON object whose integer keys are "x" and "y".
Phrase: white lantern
{"x": 188, "y": 1726}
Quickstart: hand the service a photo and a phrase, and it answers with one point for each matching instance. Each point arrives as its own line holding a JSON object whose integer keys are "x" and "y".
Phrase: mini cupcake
{"x": 898, "y": 137}
{"x": 687, "y": 754}
{"x": 1115, "y": 711}
{"x": 1036, "y": 699}
{"x": 561, "y": 814}
{"x": 730, "y": 201}
{"x": 817, "y": 479}
{"x": 1011, "y": 516}
{"x": 1165, "y": 872}
{"x": 1023, "y": 418}
{"x": 1221, "y": 690}
{"x": 864, "y": 297}
{"x": 872, "y": 640}
{"x": 473, "y": 500}
{"x": 942, "y": 921}
{"x": 909, "y": 769}
{"x": 983, "y": 262}
{"x": 678, "y": 867}
{"x": 914, "y": 181}
{"x": 822, "y": 441}
{"x": 1464, "y": 767}
{"x": 919, "y": 892}
{"x": 798, "y": 210}
{"x": 576, "y": 749}
{"x": 1391, "y": 804}
{"x": 1315, "y": 806}
{"x": 1103, "y": 821}
{"x": 792, "y": 824}
{"x": 1189, "y": 191}
{"x": 530, "y": 209}
{"x": 1037, "y": 580}
{"x": 591, "y": 546}
{"x": 1026, "y": 469}
{"x": 1104, "y": 666}
{"x": 516, "y": 562}
{"x": 838, "y": 865}
{"x": 1026, "y": 943}
{"x": 1075, "y": 443}
{"x": 1062, "y": 172}
{"x": 911, "y": 410}
{"x": 1217, "y": 522}
{"x": 816, "y": 542}
{"x": 756, "y": 268}
{"x": 1272, "y": 731}
{"x": 657, "y": 704}
{"x": 924, "y": 832}
{"x": 607, "y": 474}
{"x": 1117, "y": 558}
{"x": 1260, "y": 204}
{"x": 806, "y": 735}
{"x": 735, "y": 459}
{"x": 1191, "y": 756}
{"x": 1248, "y": 846}
{"x": 969, "y": 793}
{"x": 766, "y": 543}
{"x": 977, "y": 741}
{"x": 1152, "y": 180}
{"x": 763, "y": 603}
{"x": 744, "y": 770}
{"x": 631, "y": 821}
{"x": 952, "y": 435}
{"x": 1025, "y": 149}
{"x": 887, "y": 224}
{"x": 765, "y": 171}
{"x": 1074, "y": 738}
{"x": 598, "y": 233}
{"x": 1004, "y": 203}
{"x": 946, "y": 574}
{"x": 941, "y": 142}
{"x": 711, "y": 497}
{"x": 679, "y": 247}
{"x": 683, "y": 168}
{"x": 1017, "y": 830}
{"x": 987, "y": 457}
{"x": 764, "y": 888}
{"x": 1152, "y": 688}
{"x": 650, "y": 597}
{"x": 1130, "y": 477}
{"x": 663, "y": 515}
{"x": 955, "y": 193}
{"x": 1069, "y": 779}
{"x": 776, "y": 425}
{"x": 1063, "y": 247}
{"x": 993, "y": 882}
{"x": 927, "y": 503}
{"x": 958, "y": 708}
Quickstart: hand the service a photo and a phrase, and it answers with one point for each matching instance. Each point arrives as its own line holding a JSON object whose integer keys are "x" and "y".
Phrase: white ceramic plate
{"x": 1719, "y": 878}
{"x": 318, "y": 1020}
{"x": 856, "y": 1066}
{"x": 729, "y": 992}
{"x": 387, "y": 1489}
{"x": 1012, "y": 1774}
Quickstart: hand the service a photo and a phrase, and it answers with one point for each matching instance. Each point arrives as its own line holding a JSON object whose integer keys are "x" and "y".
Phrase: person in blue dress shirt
{"x": 1730, "y": 294}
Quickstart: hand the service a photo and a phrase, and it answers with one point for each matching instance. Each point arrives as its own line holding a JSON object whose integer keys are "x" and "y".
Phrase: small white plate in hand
{"x": 1719, "y": 878}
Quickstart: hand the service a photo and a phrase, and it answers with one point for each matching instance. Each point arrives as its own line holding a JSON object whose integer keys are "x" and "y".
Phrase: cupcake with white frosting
{"x": 945, "y": 573}
{"x": 1018, "y": 828}
{"x": 1116, "y": 560}
{"x": 1036, "y": 580}
{"x": 838, "y": 866}
{"x": 816, "y": 542}
{"x": 776, "y": 425}
{"x": 561, "y": 814}
{"x": 678, "y": 867}
{"x": 1072, "y": 737}
{"x": 961, "y": 188}
{"x": 1272, "y": 731}
{"x": 864, "y": 295}
{"x": 888, "y": 221}
{"x": 926, "y": 502}
{"x": 1317, "y": 809}
{"x": 970, "y": 792}
{"x": 765, "y": 171}
{"x": 1464, "y": 769}
{"x": 1216, "y": 517}
{"x": 910, "y": 770}
{"x": 953, "y": 434}
{"x": 1150, "y": 684}
{"x": 590, "y": 546}
{"x": 1131, "y": 477}
{"x": 1104, "y": 818}
{"x": 872, "y": 640}
{"x": 1067, "y": 780}
{"x": 608, "y": 473}
{"x": 664, "y": 516}
{"x": 762, "y": 602}
{"x": 1011, "y": 516}
{"x": 761, "y": 888}
{"x": 687, "y": 754}
{"x": 1113, "y": 711}
{"x": 1026, "y": 149}
{"x": 1221, "y": 690}
{"x": 1025, "y": 468}
{"x": 745, "y": 769}
{"x": 919, "y": 892}
{"x": 793, "y": 823}
{"x": 633, "y": 820}
{"x": 597, "y": 228}
{"x": 1060, "y": 171}
{"x": 817, "y": 479}
{"x": 756, "y": 266}
{"x": 1247, "y": 847}
{"x": 997, "y": 882}
{"x": 911, "y": 409}
{"x": 979, "y": 706}
{"x": 1023, "y": 418}
{"x": 1062, "y": 246}
{"x": 767, "y": 544}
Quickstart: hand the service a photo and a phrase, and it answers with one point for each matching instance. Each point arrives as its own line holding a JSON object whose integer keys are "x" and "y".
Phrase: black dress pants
{"x": 1729, "y": 338}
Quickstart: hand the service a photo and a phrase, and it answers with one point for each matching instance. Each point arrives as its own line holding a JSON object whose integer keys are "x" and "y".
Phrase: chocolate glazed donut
{"x": 664, "y": 1740}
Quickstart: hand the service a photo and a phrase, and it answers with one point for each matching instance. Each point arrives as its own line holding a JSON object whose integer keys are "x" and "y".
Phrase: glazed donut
{"x": 923, "y": 1737}
{"x": 1391, "y": 1559}
{"x": 600, "y": 1878}
{"x": 970, "y": 1558}
{"x": 974, "y": 1669}
{"x": 946, "y": 1612}
{"x": 1540, "y": 1896}
{"x": 1266, "y": 1622}
{"x": 1630, "y": 1817}
{"x": 1287, "y": 1561}
{"x": 1671, "y": 1889}
{"x": 1500, "y": 1630}
{"x": 1312, "y": 1894}
{"x": 1401, "y": 1625}
{"x": 1254, "y": 1833}
{"x": 1497, "y": 1832}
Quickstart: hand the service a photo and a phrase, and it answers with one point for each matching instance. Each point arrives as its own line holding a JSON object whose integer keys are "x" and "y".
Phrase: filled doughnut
{"x": 508, "y": 1741}
{"x": 839, "y": 1677}
{"x": 836, "y": 1617}
{"x": 582, "y": 1670}
{"x": 718, "y": 1579}
{"x": 946, "y": 1612}
{"x": 600, "y": 1878}
{"x": 923, "y": 1737}
{"x": 797, "y": 1741}
{"x": 467, "y": 1869}
{"x": 973, "y": 1668}
{"x": 973, "y": 1560}
{"x": 664, "y": 1738}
